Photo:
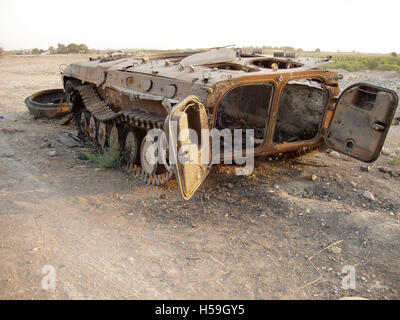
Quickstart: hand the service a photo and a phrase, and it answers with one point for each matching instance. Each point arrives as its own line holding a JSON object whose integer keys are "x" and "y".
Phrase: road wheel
{"x": 149, "y": 157}
{"x": 92, "y": 128}
{"x": 131, "y": 147}
{"x": 102, "y": 135}
{"x": 114, "y": 135}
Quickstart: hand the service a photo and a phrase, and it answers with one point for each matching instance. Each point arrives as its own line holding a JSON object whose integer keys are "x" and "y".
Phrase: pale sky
{"x": 366, "y": 26}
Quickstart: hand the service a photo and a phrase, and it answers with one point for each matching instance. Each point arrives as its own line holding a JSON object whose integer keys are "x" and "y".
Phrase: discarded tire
{"x": 48, "y": 104}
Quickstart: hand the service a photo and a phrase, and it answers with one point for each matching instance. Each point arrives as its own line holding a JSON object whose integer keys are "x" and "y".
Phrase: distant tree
{"x": 1, "y": 50}
{"x": 61, "y": 48}
{"x": 300, "y": 50}
{"x": 73, "y": 48}
{"x": 393, "y": 54}
{"x": 287, "y": 49}
{"x": 52, "y": 50}
{"x": 36, "y": 51}
{"x": 318, "y": 50}
{"x": 83, "y": 48}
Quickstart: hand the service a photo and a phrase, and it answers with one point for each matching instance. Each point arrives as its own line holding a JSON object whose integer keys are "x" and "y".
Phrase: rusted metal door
{"x": 361, "y": 121}
{"x": 189, "y": 144}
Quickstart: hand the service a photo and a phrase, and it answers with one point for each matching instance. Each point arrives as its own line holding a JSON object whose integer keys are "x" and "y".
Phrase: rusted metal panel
{"x": 361, "y": 121}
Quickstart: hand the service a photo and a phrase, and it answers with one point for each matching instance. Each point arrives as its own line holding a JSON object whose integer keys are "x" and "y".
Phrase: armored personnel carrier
{"x": 289, "y": 103}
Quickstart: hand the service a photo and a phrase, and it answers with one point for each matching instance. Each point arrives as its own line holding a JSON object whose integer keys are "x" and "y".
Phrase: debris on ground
{"x": 66, "y": 120}
{"x": 369, "y": 196}
{"x": 48, "y": 104}
{"x": 69, "y": 139}
{"x": 46, "y": 144}
{"x": 334, "y": 154}
{"x": 335, "y": 250}
{"x": 365, "y": 168}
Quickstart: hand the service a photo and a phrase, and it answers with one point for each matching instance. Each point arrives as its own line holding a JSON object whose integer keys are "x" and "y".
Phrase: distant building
{"x": 23, "y": 52}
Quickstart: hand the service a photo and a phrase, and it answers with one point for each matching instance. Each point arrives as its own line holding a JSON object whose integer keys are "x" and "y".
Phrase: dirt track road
{"x": 108, "y": 235}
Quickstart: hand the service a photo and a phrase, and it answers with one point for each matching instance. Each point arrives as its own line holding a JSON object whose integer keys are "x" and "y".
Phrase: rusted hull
{"x": 289, "y": 103}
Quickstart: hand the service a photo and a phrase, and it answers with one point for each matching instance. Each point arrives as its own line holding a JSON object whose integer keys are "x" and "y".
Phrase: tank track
{"x": 127, "y": 119}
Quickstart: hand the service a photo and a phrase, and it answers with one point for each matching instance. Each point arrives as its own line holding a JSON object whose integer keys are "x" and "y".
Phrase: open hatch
{"x": 361, "y": 121}
{"x": 187, "y": 127}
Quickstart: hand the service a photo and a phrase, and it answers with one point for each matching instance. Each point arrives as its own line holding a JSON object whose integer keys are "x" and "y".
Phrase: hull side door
{"x": 189, "y": 144}
{"x": 361, "y": 121}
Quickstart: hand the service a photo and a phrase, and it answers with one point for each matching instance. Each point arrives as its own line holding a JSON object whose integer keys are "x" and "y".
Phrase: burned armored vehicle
{"x": 289, "y": 103}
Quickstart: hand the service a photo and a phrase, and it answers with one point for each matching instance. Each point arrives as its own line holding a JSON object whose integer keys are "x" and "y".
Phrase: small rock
{"x": 314, "y": 177}
{"x": 35, "y": 249}
{"x": 335, "y": 250}
{"x": 277, "y": 187}
{"x": 230, "y": 185}
{"x": 97, "y": 169}
{"x": 364, "y": 243}
{"x": 69, "y": 139}
{"x": 163, "y": 196}
{"x": 52, "y": 153}
{"x": 46, "y": 145}
{"x": 386, "y": 176}
{"x": 334, "y": 154}
{"x": 353, "y": 184}
{"x": 368, "y": 195}
{"x": 395, "y": 174}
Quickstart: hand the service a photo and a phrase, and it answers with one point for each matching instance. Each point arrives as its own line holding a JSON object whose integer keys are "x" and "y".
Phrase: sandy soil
{"x": 110, "y": 236}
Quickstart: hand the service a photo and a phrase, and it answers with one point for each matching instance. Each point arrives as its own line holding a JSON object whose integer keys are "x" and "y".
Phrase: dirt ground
{"x": 110, "y": 236}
